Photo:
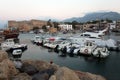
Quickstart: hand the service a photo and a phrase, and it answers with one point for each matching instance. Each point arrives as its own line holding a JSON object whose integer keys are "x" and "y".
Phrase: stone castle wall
{"x": 26, "y": 25}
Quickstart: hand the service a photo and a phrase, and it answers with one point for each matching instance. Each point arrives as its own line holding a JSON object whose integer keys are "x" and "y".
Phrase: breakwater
{"x": 39, "y": 70}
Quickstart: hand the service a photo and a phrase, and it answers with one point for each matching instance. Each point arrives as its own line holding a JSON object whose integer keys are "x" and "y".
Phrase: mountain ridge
{"x": 95, "y": 16}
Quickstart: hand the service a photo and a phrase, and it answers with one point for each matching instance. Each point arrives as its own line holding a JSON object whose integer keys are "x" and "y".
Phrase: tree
{"x": 56, "y": 25}
{"x": 108, "y": 20}
{"x": 36, "y": 29}
{"x": 68, "y": 23}
{"x": 44, "y": 28}
{"x": 49, "y": 23}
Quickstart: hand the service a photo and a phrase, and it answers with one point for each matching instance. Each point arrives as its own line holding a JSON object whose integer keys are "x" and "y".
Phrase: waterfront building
{"x": 112, "y": 25}
{"x": 66, "y": 26}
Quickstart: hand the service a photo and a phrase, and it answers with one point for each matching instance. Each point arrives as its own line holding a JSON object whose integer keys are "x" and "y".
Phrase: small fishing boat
{"x": 62, "y": 45}
{"x": 23, "y": 47}
{"x": 73, "y": 48}
{"x": 17, "y": 53}
{"x": 36, "y": 39}
{"x": 76, "y": 51}
{"x": 87, "y": 48}
{"x": 9, "y": 45}
{"x": 52, "y": 44}
{"x": 101, "y": 52}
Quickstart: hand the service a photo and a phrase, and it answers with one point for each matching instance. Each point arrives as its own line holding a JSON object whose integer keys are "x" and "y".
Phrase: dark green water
{"x": 109, "y": 67}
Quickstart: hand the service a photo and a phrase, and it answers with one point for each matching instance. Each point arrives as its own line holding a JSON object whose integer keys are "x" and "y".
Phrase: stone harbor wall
{"x": 39, "y": 70}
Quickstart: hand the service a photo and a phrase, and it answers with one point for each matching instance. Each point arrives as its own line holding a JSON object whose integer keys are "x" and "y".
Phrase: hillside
{"x": 95, "y": 16}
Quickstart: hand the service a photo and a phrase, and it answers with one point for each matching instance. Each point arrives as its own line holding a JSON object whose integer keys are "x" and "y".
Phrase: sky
{"x": 59, "y": 9}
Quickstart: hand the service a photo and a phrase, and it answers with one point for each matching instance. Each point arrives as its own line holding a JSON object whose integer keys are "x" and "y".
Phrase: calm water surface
{"x": 109, "y": 67}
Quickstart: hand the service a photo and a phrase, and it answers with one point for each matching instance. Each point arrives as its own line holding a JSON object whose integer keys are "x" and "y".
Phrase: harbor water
{"x": 109, "y": 67}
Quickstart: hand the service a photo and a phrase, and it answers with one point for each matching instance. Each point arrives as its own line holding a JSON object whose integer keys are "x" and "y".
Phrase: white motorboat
{"x": 37, "y": 40}
{"x": 97, "y": 34}
{"x": 101, "y": 52}
{"x": 51, "y": 44}
{"x": 91, "y": 35}
{"x": 76, "y": 50}
{"x": 62, "y": 45}
{"x": 23, "y": 47}
{"x": 73, "y": 48}
{"x": 87, "y": 48}
{"x": 9, "y": 45}
{"x": 17, "y": 53}
{"x": 111, "y": 44}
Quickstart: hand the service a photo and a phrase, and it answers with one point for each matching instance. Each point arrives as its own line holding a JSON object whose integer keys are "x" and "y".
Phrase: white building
{"x": 112, "y": 25}
{"x": 66, "y": 26}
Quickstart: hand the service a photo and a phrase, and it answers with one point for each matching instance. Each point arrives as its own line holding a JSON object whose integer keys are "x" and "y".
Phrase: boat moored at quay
{"x": 14, "y": 50}
{"x": 92, "y": 43}
{"x": 84, "y": 46}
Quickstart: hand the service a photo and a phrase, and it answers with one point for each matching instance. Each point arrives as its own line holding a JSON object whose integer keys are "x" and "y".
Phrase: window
{"x": 87, "y": 35}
